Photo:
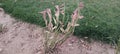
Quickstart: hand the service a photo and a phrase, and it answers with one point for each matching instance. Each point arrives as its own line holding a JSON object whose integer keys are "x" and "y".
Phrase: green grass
{"x": 101, "y": 17}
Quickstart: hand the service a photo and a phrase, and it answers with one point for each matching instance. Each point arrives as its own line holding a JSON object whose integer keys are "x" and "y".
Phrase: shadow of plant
{"x": 1, "y": 27}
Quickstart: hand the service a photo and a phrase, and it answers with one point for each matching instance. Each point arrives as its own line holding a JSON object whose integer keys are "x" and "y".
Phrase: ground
{"x": 18, "y": 37}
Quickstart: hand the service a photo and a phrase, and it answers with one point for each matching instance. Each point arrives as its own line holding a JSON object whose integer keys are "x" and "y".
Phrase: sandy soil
{"x": 23, "y": 38}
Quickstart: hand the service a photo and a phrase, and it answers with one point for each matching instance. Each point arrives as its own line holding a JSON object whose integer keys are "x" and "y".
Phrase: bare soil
{"x": 23, "y": 38}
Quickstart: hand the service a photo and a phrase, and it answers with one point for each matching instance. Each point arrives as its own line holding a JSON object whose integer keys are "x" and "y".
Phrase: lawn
{"x": 101, "y": 17}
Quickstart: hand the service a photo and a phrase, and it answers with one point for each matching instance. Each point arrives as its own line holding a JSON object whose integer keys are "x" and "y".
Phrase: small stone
{"x": 51, "y": 37}
{"x": 72, "y": 41}
{"x": 39, "y": 53}
{"x": 70, "y": 44}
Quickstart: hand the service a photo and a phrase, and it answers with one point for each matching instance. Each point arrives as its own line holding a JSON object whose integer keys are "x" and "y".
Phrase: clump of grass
{"x": 55, "y": 24}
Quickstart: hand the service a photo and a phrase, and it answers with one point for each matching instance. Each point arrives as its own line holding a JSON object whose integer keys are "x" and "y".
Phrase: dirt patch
{"x": 23, "y": 38}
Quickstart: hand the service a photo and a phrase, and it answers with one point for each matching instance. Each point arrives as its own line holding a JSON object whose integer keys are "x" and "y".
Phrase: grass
{"x": 101, "y": 17}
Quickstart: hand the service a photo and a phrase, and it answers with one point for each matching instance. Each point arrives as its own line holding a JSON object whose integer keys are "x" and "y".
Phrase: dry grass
{"x": 54, "y": 26}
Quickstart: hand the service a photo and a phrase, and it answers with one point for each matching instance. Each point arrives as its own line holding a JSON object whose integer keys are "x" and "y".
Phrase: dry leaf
{"x": 54, "y": 27}
{"x": 62, "y": 30}
{"x": 80, "y": 17}
{"x": 81, "y": 5}
{"x": 57, "y": 12}
{"x": 68, "y": 27}
{"x": 76, "y": 25}
{"x": 55, "y": 21}
{"x": 49, "y": 15}
{"x": 44, "y": 16}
